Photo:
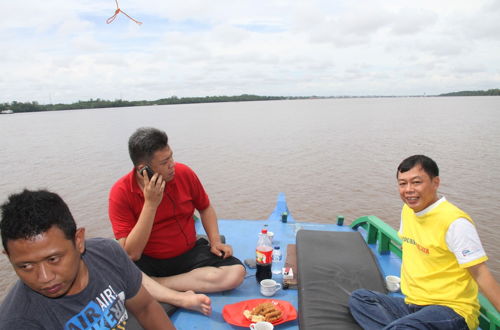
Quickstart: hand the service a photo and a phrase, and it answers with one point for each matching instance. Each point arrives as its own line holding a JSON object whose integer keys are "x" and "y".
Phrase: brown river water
{"x": 329, "y": 156}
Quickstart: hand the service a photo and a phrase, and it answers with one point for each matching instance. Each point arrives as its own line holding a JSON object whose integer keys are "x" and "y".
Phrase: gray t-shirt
{"x": 113, "y": 278}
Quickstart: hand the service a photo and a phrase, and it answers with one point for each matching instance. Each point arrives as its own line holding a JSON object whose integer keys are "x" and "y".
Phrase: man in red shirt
{"x": 151, "y": 212}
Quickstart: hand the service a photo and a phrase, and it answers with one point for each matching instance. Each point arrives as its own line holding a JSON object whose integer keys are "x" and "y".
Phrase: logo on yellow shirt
{"x": 419, "y": 247}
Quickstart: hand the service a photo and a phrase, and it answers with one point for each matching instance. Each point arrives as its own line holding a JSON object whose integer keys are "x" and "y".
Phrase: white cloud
{"x": 63, "y": 51}
{"x": 410, "y": 21}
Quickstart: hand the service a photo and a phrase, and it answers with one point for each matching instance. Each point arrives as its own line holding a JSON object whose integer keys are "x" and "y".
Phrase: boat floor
{"x": 242, "y": 236}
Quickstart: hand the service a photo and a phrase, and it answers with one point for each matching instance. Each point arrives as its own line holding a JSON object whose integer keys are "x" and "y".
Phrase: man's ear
{"x": 436, "y": 181}
{"x": 80, "y": 239}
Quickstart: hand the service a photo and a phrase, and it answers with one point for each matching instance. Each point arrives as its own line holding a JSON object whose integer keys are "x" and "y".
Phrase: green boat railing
{"x": 387, "y": 240}
{"x": 379, "y": 232}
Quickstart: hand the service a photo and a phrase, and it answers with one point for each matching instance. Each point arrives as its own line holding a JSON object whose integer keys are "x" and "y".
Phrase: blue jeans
{"x": 373, "y": 310}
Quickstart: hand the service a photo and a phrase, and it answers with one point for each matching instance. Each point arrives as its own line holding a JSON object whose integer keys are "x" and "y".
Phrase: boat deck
{"x": 242, "y": 235}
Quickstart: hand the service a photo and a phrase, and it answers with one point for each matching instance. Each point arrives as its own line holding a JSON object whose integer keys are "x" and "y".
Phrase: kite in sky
{"x": 117, "y": 11}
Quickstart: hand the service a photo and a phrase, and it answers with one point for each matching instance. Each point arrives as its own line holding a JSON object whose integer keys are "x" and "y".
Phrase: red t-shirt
{"x": 173, "y": 231}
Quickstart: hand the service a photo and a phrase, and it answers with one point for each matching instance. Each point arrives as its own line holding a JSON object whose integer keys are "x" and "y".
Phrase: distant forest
{"x": 98, "y": 103}
{"x": 474, "y": 93}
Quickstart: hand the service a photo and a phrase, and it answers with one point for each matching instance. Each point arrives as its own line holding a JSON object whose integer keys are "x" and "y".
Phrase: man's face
{"x": 417, "y": 189}
{"x": 49, "y": 263}
{"x": 163, "y": 163}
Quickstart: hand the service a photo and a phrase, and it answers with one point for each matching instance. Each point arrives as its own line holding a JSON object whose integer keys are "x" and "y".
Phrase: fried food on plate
{"x": 263, "y": 312}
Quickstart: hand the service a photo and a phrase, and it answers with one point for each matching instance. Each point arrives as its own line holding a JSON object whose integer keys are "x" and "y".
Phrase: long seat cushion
{"x": 330, "y": 266}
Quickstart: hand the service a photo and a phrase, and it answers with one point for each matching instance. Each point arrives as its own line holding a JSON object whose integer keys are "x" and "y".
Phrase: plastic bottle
{"x": 263, "y": 257}
{"x": 277, "y": 257}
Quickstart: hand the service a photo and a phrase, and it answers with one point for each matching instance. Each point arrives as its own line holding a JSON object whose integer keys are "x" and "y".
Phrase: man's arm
{"x": 148, "y": 311}
{"x": 209, "y": 221}
{"x": 138, "y": 237}
{"x": 487, "y": 283}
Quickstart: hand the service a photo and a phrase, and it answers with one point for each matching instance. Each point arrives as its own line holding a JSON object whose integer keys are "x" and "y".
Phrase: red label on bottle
{"x": 264, "y": 255}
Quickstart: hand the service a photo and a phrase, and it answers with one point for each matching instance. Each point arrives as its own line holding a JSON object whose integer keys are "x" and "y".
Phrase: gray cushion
{"x": 330, "y": 266}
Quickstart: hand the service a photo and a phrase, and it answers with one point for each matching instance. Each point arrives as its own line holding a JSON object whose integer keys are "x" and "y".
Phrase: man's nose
{"x": 409, "y": 188}
{"x": 44, "y": 273}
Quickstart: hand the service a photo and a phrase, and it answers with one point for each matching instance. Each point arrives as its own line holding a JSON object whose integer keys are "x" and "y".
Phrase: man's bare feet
{"x": 188, "y": 299}
{"x": 196, "y": 301}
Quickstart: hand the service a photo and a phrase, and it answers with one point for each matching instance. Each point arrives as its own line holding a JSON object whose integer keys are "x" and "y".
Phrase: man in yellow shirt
{"x": 442, "y": 266}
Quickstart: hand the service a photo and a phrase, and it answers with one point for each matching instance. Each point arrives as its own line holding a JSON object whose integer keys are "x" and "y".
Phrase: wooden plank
{"x": 291, "y": 261}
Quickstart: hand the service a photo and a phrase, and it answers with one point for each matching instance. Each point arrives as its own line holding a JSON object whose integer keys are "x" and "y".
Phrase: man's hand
{"x": 209, "y": 221}
{"x": 222, "y": 250}
{"x": 153, "y": 189}
{"x": 138, "y": 237}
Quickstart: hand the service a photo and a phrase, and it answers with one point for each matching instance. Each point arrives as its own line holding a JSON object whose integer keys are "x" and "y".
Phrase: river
{"x": 329, "y": 156}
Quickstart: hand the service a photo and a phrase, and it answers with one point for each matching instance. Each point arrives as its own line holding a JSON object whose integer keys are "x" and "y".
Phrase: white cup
{"x": 393, "y": 283}
{"x": 270, "y": 234}
{"x": 269, "y": 287}
{"x": 261, "y": 326}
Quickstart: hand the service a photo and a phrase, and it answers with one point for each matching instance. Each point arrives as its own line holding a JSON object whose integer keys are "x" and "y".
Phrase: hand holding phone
{"x": 148, "y": 170}
{"x": 152, "y": 189}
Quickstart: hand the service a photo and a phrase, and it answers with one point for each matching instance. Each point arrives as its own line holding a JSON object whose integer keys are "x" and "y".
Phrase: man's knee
{"x": 236, "y": 275}
{"x": 226, "y": 277}
{"x": 361, "y": 296}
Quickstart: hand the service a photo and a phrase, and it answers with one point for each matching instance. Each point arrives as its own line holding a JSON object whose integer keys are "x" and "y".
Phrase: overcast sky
{"x": 62, "y": 51}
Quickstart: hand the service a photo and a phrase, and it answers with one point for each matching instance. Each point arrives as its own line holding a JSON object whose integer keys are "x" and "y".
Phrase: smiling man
{"x": 66, "y": 281}
{"x": 151, "y": 211}
{"x": 443, "y": 262}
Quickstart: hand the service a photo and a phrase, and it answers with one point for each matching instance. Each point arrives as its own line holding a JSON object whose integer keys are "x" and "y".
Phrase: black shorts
{"x": 198, "y": 256}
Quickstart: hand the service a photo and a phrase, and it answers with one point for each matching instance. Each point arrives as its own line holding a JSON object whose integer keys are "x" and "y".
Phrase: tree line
{"x": 99, "y": 103}
{"x": 489, "y": 92}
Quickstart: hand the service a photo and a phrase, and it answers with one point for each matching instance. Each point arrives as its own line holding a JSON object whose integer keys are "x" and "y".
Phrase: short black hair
{"x": 144, "y": 142}
{"x": 428, "y": 165}
{"x": 31, "y": 213}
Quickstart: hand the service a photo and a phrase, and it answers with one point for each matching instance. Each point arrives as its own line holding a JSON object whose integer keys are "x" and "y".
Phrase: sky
{"x": 62, "y": 51}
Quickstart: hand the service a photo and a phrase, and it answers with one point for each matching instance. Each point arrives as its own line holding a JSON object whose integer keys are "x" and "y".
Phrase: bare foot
{"x": 197, "y": 302}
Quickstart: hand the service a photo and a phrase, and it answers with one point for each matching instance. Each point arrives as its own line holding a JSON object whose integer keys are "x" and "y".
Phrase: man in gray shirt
{"x": 66, "y": 281}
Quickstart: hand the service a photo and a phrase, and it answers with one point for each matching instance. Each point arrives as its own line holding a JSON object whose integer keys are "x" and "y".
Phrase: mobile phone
{"x": 148, "y": 170}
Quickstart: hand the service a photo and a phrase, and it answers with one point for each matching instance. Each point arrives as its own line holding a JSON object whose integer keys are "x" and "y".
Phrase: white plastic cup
{"x": 393, "y": 283}
{"x": 262, "y": 326}
{"x": 269, "y": 287}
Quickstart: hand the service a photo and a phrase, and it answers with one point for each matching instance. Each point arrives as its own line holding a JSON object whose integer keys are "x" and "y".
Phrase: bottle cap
{"x": 264, "y": 231}
{"x": 277, "y": 247}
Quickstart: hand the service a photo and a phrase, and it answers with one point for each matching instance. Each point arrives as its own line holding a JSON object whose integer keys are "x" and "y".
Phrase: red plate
{"x": 233, "y": 314}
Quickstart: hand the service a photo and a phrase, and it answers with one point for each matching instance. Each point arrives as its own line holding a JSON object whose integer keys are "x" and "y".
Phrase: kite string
{"x": 117, "y": 11}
